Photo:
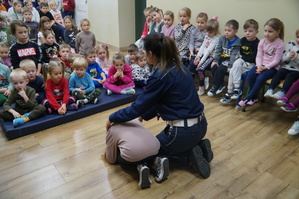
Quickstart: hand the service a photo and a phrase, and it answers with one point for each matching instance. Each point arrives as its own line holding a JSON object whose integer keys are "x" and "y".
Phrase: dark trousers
{"x": 219, "y": 73}
{"x": 288, "y": 76}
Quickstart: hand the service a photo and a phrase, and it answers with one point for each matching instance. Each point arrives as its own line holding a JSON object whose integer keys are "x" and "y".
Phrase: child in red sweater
{"x": 57, "y": 90}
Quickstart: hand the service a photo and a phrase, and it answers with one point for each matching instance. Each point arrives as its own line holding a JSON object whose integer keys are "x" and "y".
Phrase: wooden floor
{"x": 254, "y": 158}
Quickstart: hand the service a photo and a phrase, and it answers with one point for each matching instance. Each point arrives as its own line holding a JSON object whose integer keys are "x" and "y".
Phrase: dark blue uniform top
{"x": 169, "y": 94}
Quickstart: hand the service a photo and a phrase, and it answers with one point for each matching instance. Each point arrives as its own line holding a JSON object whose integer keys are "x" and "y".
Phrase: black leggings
{"x": 288, "y": 76}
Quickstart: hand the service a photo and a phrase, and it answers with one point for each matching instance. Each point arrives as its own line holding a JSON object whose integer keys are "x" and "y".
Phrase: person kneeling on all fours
{"x": 176, "y": 103}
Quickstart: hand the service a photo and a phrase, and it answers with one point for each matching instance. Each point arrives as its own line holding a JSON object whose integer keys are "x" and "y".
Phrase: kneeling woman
{"x": 170, "y": 94}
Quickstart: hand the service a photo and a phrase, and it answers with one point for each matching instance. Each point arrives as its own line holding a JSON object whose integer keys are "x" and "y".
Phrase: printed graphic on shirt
{"x": 26, "y": 52}
{"x": 270, "y": 53}
{"x": 93, "y": 72}
{"x": 52, "y": 52}
{"x": 246, "y": 50}
{"x": 57, "y": 92}
{"x": 3, "y": 82}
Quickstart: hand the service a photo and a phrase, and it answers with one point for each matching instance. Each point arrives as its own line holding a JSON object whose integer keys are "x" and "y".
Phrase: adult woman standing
{"x": 170, "y": 94}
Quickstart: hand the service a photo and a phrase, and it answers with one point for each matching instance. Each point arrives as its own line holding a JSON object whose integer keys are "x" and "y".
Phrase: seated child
{"x": 140, "y": 70}
{"x": 64, "y": 51}
{"x": 94, "y": 69}
{"x": 70, "y": 59}
{"x": 246, "y": 61}
{"x": 103, "y": 57}
{"x": 26, "y": 107}
{"x": 4, "y": 31}
{"x": 5, "y": 86}
{"x": 35, "y": 15}
{"x": 50, "y": 49}
{"x": 57, "y": 90}
{"x": 4, "y": 54}
{"x": 130, "y": 57}
{"x": 119, "y": 77}
{"x": 285, "y": 103}
{"x": 289, "y": 71}
{"x": 36, "y": 82}
{"x": 31, "y": 24}
{"x": 168, "y": 27}
{"x": 226, "y": 53}
{"x": 81, "y": 84}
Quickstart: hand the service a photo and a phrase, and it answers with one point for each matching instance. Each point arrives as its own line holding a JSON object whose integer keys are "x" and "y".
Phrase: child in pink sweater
{"x": 119, "y": 77}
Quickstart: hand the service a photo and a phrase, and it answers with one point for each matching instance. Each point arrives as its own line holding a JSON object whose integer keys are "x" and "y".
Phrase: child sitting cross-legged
{"x": 26, "y": 107}
{"x": 81, "y": 84}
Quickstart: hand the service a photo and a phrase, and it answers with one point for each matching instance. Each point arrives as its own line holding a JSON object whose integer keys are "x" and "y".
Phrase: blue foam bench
{"x": 50, "y": 120}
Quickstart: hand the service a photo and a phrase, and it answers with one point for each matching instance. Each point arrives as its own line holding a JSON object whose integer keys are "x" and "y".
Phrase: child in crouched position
{"x": 26, "y": 107}
{"x": 57, "y": 90}
{"x": 119, "y": 77}
{"x": 81, "y": 84}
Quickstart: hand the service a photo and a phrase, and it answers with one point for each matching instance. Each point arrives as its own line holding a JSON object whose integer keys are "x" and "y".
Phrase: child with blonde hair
{"x": 4, "y": 54}
{"x": 168, "y": 27}
{"x": 182, "y": 34}
{"x": 17, "y": 11}
{"x": 289, "y": 71}
{"x": 157, "y": 17}
{"x": 103, "y": 57}
{"x": 119, "y": 77}
{"x": 34, "y": 12}
{"x": 85, "y": 39}
{"x": 205, "y": 55}
{"x": 32, "y": 25}
{"x": 81, "y": 84}
{"x": 36, "y": 82}
{"x": 57, "y": 90}
{"x": 146, "y": 27}
{"x": 140, "y": 70}
{"x": 269, "y": 54}
{"x": 26, "y": 107}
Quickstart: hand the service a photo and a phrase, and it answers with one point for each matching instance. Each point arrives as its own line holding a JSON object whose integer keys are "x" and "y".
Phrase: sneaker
{"x": 220, "y": 89}
{"x": 283, "y": 101}
{"x": 144, "y": 174}
{"x": 236, "y": 93}
{"x": 162, "y": 169}
{"x": 226, "y": 98}
{"x": 18, "y": 121}
{"x": 212, "y": 91}
{"x": 96, "y": 100}
{"x": 80, "y": 103}
{"x": 289, "y": 108}
{"x": 109, "y": 92}
{"x": 252, "y": 102}
{"x": 131, "y": 91}
{"x": 201, "y": 90}
{"x": 279, "y": 94}
{"x": 205, "y": 146}
{"x": 269, "y": 93}
{"x": 207, "y": 82}
{"x": 198, "y": 162}
{"x": 72, "y": 107}
{"x": 243, "y": 102}
{"x": 294, "y": 130}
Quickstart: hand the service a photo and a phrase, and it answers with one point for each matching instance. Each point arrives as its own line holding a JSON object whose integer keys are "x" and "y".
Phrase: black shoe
{"x": 198, "y": 162}
{"x": 205, "y": 146}
{"x": 144, "y": 173}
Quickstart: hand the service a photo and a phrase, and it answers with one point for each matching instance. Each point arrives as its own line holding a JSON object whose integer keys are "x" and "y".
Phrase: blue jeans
{"x": 256, "y": 81}
{"x": 177, "y": 140}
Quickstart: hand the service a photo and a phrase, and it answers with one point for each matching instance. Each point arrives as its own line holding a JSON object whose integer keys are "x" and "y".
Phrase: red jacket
{"x": 68, "y": 5}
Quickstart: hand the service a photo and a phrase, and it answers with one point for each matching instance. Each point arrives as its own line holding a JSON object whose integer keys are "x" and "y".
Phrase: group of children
{"x": 202, "y": 48}
{"x": 41, "y": 75}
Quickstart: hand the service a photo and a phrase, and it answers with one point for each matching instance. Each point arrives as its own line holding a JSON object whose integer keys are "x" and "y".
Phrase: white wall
{"x": 241, "y": 10}
{"x": 113, "y": 21}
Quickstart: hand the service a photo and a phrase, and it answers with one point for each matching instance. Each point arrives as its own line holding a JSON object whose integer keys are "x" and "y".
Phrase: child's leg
{"x": 280, "y": 75}
{"x": 37, "y": 112}
{"x": 93, "y": 95}
{"x": 78, "y": 95}
{"x": 6, "y": 115}
{"x": 219, "y": 76}
{"x": 206, "y": 65}
{"x": 235, "y": 74}
{"x": 112, "y": 87}
{"x": 260, "y": 79}
{"x": 72, "y": 100}
{"x": 293, "y": 90}
{"x": 290, "y": 78}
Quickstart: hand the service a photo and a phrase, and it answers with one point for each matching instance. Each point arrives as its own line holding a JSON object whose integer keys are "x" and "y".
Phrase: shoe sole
{"x": 164, "y": 170}
{"x": 286, "y": 110}
{"x": 281, "y": 103}
{"x": 199, "y": 163}
{"x": 144, "y": 181}
{"x": 205, "y": 146}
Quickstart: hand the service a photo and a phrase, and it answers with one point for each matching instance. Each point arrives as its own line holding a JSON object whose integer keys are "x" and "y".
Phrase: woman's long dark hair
{"x": 164, "y": 49}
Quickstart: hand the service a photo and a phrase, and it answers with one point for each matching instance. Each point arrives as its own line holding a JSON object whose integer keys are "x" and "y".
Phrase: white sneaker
{"x": 279, "y": 94}
{"x": 201, "y": 90}
{"x": 269, "y": 93}
{"x": 207, "y": 82}
{"x": 109, "y": 92}
{"x": 220, "y": 89}
{"x": 294, "y": 130}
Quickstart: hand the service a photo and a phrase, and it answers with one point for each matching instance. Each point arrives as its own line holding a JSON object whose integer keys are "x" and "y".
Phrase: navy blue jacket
{"x": 170, "y": 94}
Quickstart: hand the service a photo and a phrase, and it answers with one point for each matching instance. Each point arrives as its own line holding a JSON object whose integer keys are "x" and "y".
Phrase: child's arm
{"x": 192, "y": 42}
{"x": 14, "y": 58}
{"x": 127, "y": 74}
{"x": 103, "y": 75}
